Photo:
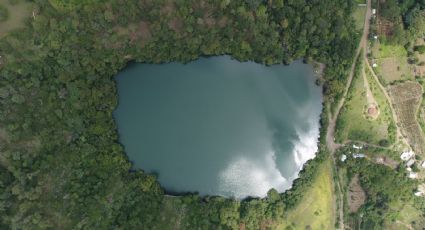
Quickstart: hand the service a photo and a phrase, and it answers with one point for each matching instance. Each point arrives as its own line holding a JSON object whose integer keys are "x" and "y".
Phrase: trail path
{"x": 330, "y": 135}
{"x": 369, "y": 95}
{"x": 399, "y": 136}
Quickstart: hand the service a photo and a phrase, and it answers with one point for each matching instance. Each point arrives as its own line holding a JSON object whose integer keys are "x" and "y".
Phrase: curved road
{"x": 330, "y": 135}
{"x": 399, "y": 136}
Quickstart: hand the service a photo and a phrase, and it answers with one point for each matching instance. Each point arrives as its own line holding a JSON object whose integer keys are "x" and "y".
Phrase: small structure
{"x": 374, "y": 65}
{"x": 410, "y": 162}
{"x": 359, "y": 155}
{"x": 423, "y": 164}
{"x": 357, "y": 147}
{"x": 413, "y": 175}
{"x": 373, "y": 11}
{"x": 419, "y": 193}
{"x": 375, "y": 37}
{"x": 405, "y": 156}
{"x": 343, "y": 157}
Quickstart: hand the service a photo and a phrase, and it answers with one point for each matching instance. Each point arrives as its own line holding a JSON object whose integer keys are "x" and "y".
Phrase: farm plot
{"x": 391, "y": 63}
{"x": 406, "y": 98}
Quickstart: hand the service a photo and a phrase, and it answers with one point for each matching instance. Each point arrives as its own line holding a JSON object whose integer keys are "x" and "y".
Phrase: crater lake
{"x": 217, "y": 126}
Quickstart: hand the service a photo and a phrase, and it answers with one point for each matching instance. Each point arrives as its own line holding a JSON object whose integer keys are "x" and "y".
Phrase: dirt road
{"x": 362, "y": 46}
{"x": 330, "y": 135}
{"x": 399, "y": 136}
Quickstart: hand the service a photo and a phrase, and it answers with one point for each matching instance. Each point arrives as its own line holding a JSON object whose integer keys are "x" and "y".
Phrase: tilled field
{"x": 406, "y": 98}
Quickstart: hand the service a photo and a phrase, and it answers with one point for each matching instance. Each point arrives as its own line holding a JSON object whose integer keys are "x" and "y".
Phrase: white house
{"x": 405, "y": 156}
{"x": 410, "y": 162}
{"x": 413, "y": 175}
{"x": 359, "y": 155}
{"x": 357, "y": 147}
{"x": 373, "y": 11}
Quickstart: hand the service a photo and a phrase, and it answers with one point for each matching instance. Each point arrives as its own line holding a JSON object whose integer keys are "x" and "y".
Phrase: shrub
{"x": 4, "y": 13}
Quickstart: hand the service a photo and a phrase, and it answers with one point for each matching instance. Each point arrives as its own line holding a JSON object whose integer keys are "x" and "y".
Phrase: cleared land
{"x": 316, "y": 210}
{"x": 18, "y": 12}
{"x": 359, "y": 15}
{"x": 391, "y": 61}
{"x": 406, "y": 98}
{"x": 419, "y": 67}
{"x": 373, "y": 130}
{"x": 356, "y": 195}
{"x": 407, "y": 217}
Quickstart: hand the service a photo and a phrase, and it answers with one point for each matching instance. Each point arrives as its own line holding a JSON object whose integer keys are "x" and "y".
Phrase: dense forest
{"x": 405, "y": 18}
{"x": 61, "y": 165}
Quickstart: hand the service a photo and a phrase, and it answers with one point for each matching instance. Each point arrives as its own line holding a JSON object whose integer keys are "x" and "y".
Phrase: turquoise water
{"x": 217, "y": 126}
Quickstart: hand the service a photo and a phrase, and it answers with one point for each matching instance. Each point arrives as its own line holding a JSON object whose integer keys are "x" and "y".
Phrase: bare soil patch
{"x": 176, "y": 24}
{"x": 168, "y": 8}
{"x": 17, "y": 14}
{"x": 140, "y": 32}
{"x": 356, "y": 195}
{"x": 384, "y": 160}
{"x": 406, "y": 98}
{"x": 385, "y": 27}
{"x": 372, "y": 111}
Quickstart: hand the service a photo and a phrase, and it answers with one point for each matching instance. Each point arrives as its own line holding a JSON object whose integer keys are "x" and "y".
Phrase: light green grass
{"x": 359, "y": 15}
{"x": 316, "y": 209}
{"x": 383, "y": 51}
{"x": 17, "y": 14}
{"x": 392, "y": 63}
{"x": 405, "y": 214}
{"x": 385, "y": 116}
{"x": 352, "y": 123}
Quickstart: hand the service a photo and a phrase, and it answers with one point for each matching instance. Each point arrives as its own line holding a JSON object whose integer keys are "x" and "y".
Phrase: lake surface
{"x": 217, "y": 126}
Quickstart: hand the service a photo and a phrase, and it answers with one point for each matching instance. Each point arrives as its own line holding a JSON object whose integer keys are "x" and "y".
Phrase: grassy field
{"x": 363, "y": 129}
{"x": 408, "y": 217}
{"x": 392, "y": 63}
{"x": 316, "y": 210}
{"x": 359, "y": 15}
{"x": 18, "y": 12}
{"x": 420, "y": 65}
{"x": 385, "y": 116}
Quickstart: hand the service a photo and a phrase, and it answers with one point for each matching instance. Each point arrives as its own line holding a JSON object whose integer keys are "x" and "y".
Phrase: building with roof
{"x": 405, "y": 156}
{"x": 359, "y": 155}
{"x": 410, "y": 162}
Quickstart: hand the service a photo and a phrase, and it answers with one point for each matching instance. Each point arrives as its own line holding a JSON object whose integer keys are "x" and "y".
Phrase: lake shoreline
{"x": 299, "y": 154}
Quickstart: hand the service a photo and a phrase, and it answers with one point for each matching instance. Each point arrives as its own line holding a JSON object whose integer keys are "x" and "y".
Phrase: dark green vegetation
{"x": 61, "y": 165}
{"x": 405, "y": 20}
{"x": 385, "y": 188}
{"x": 389, "y": 202}
{"x": 4, "y": 13}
